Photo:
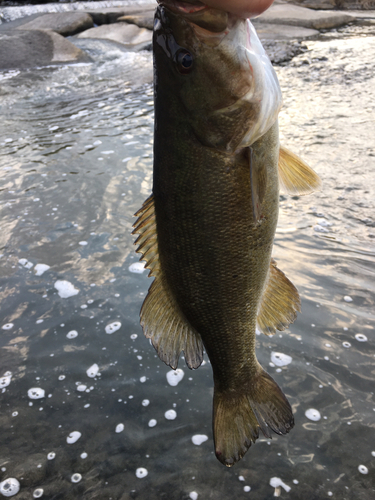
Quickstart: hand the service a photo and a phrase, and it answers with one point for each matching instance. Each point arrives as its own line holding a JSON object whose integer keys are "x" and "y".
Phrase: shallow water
{"x": 75, "y": 164}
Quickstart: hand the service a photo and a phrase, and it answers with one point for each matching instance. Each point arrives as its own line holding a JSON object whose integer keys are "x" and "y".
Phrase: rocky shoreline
{"x": 49, "y": 39}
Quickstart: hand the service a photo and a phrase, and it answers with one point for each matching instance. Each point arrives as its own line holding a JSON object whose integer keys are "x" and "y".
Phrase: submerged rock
{"x": 30, "y": 49}
{"x": 127, "y": 34}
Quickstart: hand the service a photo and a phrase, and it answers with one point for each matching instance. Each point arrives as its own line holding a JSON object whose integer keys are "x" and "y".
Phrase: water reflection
{"x": 75, "y": 164}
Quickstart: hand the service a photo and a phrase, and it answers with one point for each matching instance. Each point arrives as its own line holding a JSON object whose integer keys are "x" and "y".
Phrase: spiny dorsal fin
{"x": 280, "y": 302}
{"x": 295, "y": 176}
{"x": 161, "y": 319}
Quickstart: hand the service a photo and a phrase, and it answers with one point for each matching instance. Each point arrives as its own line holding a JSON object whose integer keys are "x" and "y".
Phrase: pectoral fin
{"x": 280, "y": 302}
{"x": 258, "y": 184}
{"x": 295, "y": 176}
{"x": 161, "y": 318}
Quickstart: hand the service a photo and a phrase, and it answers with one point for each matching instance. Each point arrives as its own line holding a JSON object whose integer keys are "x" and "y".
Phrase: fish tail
{"x": 239, "y": 414}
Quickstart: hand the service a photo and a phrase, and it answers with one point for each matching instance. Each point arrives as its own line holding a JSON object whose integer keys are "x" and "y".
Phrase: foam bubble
{"x": 347, "y": 344}
{"x": 174, "y": 377}
{"x": 360, "y": 337}
{"x": 152, "y": 422}
{"x": 373, "y": 453}
{"x": 40, "y": 269}
{"x": 76, "y": 478}
{"x": 73, "y": 437}
{"x": 198, "y": 439}
{"x": 51, "y": 455}
{"x": 241, "y": 478}
{"x": 143, "y": 379}
{"x": 72, "y": 334}
{"x": 38, "y": 493}
{"x": 193, "y": 495}
{"x": 81, "y": 387}
{"x": 363, "y": 469}
{"x": 280, "y": 359}
{"x": 313, "y": 414}
{"x": 36, "y": 393}
{"x": 141, "y": 472}
{"x": 133, "y": 336}
{"x": 347, "y": 298}
{"x": 247, "y": 488}
{"x": 7, "y": 326}
{"x": 145, "y": 402}
{"x": 170, "y": 415}
{"x": 137, "y": 267}
{"x": 276, "y": 482}
{"x": 112, "y": 327}
{"x": 65, "y": 289}
{"x": 25, "y": 263}
{"x": 5, "y": 381}
{"x": 92, "y": 371}
{"x": 83, "y": 455}
{"x": 119, "y": 428}
{"x": 9, "y": 487}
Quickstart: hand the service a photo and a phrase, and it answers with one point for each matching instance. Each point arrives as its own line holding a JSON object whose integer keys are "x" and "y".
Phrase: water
{"x": 75, "y": 164}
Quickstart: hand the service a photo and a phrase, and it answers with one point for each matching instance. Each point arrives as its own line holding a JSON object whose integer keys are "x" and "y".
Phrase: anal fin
{"x": 161, "y": 318}
{"x": 279, "y": 304}
{"x": 295, "y": 176}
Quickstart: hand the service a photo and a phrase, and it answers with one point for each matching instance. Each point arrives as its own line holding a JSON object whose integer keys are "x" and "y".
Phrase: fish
{"x": 206, "y": 232}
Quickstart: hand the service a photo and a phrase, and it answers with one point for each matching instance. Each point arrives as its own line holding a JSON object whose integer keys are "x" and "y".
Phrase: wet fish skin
{"x": 207, "y": 231}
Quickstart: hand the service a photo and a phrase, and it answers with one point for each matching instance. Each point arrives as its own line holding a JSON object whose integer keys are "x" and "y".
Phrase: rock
{"x": 143, "y": 21}
{"x": 110, "y": 15}
{"x": 281, "y": 52}
{"x": 307, "y": 18}
{"x": 64, "y": 23}
{"x": 314, "y": 4}
{"x": 29, "y": 49}
{"x": 127, "y": 34}
{"x": 283, "y": 32}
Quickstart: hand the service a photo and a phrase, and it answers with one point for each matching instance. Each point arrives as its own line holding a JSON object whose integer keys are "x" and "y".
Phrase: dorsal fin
{"x": 295, "y": 176}
{"x": 279, "y": 304}
{"x": 161, "y": 318}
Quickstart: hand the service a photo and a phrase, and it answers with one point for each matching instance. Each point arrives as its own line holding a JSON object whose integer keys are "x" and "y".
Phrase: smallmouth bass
{"x": 218, "y": 165}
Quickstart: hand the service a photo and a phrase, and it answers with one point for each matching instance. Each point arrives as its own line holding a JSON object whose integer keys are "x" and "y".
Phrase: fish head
{"x": 215, "y": 66}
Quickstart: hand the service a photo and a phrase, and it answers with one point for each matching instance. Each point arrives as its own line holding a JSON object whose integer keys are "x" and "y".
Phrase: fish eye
{"x": 184, "y": 61}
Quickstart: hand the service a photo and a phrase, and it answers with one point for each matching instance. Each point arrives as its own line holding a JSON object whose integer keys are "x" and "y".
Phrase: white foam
{"x": 145, "y": 402}
{"x": 61, "y": 377}
{"x": 143, "y": 379}
{"x": 36, "y": 393}
{"x": 363, "y": 469}
{"x": 51, "y": 455}
{"x": 40, "y": 269}
{"x": 5, "y": 381}
{"x": 360, "y": 337}
{"x": 373, "y": 453}
{"x": 170, "y": 415}
{"x": 133, "y": 336}
{"x": 119, "y": 428}
{"x": 73, "y": 437}
{"x": 38, "y": 493}
{"x": 72, "y": 334}
{"x": 113, "y": 327}
{"x": 25, "y": 263}
{"x": 347, "y": 344}
{"x": 92, "y": 371}
{"x": 174, "y": 377}
{"x": 247, "y": 488}
{"x": 241, "y": 478}
{"x": 141, "y": 472}
{"x": 84, "y": 455}
{"x": 137, "y": 267}
{"x": 347, "y": 298}
{"x": 313, "y": 414}
{"x": 65, "y": 289}
{"x": 108, "y": 152}
{"x": 7, "y": 326}
{"x": 193, "y": 495}
{"x": 82, "y": 243}
{"x": 198, "y": 439}
{"x": 276, "y": 482}
{"x": 81, "y": 387}
{"x": 76, "y": 478}
{"x": 280, "y": 359}
{"x": 152, "y": 422}
{"x": 9, "y": 487}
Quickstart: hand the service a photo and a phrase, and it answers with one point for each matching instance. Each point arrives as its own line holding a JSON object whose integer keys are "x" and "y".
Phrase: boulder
{"x": 30, "y": 49}
{"x": 142, "y": 21}
{"x": 110, "y": 15}
{"x": 294, "y": 15}
{"x": 64, "y": 23}
{"x": 127, "y": 34}
{"x": 283, "y": 32}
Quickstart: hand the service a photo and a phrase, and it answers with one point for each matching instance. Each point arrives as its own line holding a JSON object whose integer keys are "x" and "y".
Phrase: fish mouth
{"x": 206, "y": 21}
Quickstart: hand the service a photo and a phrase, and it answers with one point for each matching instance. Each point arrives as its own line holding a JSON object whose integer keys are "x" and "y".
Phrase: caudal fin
{"x": 239, "y": 414}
